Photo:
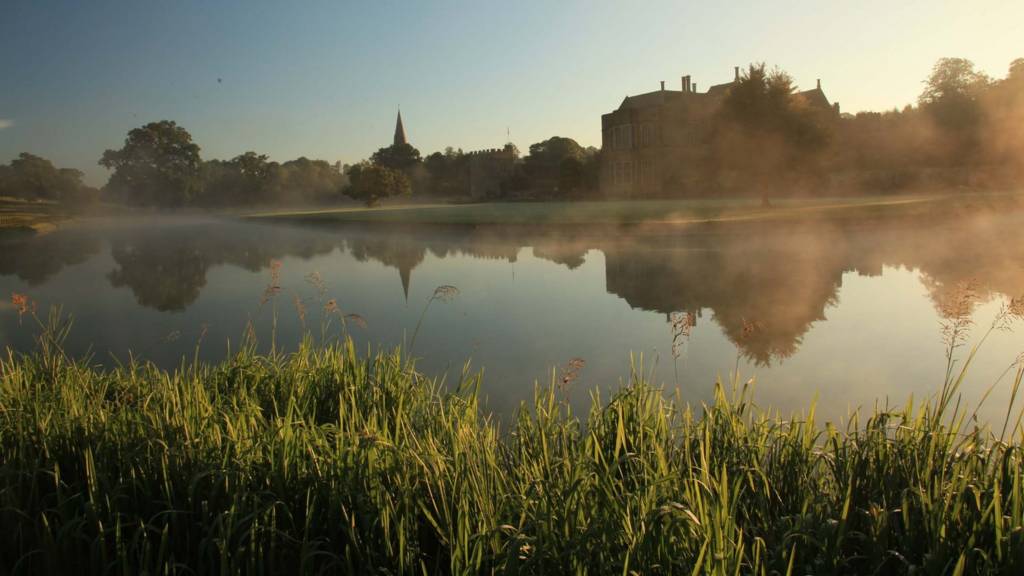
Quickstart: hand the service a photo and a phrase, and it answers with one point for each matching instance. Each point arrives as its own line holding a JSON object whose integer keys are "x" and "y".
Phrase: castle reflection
{"x": 764, "y": 289}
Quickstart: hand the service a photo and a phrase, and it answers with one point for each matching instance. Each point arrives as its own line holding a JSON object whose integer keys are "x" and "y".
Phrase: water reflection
{"x": 853, "y": 311}
{"x": 764, "y": 290}
{"x": 37, "y": 259}
{"x": 166, "y": 269}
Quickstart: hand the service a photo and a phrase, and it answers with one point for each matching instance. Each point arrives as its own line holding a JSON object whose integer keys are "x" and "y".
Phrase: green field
{"x": 675, "y": 212}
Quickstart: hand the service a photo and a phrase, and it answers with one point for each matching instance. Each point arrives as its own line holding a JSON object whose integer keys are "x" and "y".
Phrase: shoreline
{"x": 659, "y": 216}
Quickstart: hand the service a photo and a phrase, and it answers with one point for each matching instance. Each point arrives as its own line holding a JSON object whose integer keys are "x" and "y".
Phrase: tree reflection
{"x": 163, "y": 274}
{"x": 764, "y": 296}
{"x": 166, "y": 269}
{"x": 764, "y": 288}
{"x": 36, "y": 259}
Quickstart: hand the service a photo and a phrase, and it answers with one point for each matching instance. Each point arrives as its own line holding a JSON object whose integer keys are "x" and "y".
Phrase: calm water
{"x": 848, "y": 316}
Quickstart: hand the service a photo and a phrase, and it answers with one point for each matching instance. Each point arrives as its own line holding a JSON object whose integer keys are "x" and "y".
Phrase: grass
{"x": 25, "y": 216}
{"x": 670, "y": 212}
{"x": 331, "y": 460}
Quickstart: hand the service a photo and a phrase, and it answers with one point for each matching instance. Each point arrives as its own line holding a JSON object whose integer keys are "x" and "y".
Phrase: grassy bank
{"x": 21, "y": 216}
{"x": 668, "y": 212}
{"x": 328, "y": 460}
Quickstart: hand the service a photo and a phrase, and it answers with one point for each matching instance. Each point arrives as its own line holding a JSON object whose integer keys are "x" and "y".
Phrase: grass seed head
{"x": 445, "y": 293}
{"x": 359, "y": 320}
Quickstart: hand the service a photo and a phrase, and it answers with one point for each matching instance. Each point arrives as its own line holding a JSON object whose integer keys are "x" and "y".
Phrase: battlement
{"x": 490, "y": 152}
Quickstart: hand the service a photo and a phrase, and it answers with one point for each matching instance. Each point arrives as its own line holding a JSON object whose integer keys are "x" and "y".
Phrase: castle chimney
{"x": 693, "y": 87}
{"x": 682, "y": 82}
{"x": 819, "y": 83}
{"x": 736, "y": 71}
{"x": 662, "y": 85}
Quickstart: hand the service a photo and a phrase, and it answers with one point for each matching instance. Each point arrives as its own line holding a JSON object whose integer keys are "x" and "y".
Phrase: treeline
{"x": 763, "y": 138}
{"x": 554, "y": 168}
{"x": 160, "y": 165}
{"x": 766, "y": 138}
{"x": 966, "y": 130}
{"x": 29, "y": 177}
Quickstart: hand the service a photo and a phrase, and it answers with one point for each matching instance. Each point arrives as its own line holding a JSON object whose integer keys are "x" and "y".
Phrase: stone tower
{"x": 400, "y": 131}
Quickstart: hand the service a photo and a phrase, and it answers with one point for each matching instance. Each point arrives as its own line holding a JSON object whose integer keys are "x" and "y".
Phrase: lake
{"x": 849, "y": 316}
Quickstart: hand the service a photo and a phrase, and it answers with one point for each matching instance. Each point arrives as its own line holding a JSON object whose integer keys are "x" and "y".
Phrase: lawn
{"x": 22, "y": 215}
{"x": 676, "y": 212}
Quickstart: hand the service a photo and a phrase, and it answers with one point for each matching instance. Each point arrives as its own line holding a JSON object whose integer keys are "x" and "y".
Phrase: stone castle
{"x": 647, "y": 143}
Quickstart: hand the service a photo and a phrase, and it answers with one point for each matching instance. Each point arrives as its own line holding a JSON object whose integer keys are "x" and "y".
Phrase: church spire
{"x": 400, "y": 131}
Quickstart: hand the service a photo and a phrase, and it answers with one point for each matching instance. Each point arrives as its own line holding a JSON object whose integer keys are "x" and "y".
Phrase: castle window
{"x": 622, "y": 173}
{"x": 645, "y": 171}
{"x": 646, "y": 135}
{"x": 623, "y": 137}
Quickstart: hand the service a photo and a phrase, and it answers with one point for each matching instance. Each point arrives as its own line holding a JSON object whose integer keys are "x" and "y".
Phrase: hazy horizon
{"x": 325, "y": 81}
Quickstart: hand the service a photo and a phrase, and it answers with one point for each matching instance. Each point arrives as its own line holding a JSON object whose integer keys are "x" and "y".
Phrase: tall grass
{"x": 328, "y": 460}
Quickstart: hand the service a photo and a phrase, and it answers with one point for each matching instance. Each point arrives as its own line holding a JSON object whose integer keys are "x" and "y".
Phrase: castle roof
{"x": 814, "y": 97}
{"x": 656, "y": 98}
{"x": 720, "y": 89}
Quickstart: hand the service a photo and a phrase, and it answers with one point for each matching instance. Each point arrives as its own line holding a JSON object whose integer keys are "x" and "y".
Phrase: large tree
{"x": 555, "y": 165}
{"x": 951, "y": 93}
{"x": 36, "y": 178}
{"x": 158, "y": 165}
{"x": 765, "y": 135}
{"x": 402, "y": 157}
{"x": 953, "y": 78}
{"x": 370, "y": 183}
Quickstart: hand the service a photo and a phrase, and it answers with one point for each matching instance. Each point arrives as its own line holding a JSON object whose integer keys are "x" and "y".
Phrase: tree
{"x": 953, "y": 78}
{"x": 766, "y": 135}
{"x": 570, "y": 175}
{"x": 255, "y": 168}
{"x": 306, "y": 181}
{"x": 555, "y": 165}
{"x": 1000, "y": 136}
{"x": 553, "y": 151}
{"x": 397, "y": 156}
{"x": 951, "y": 96}
{"x": 1016, "y": 70}
{"x": 370, "y": 183}
{"x": 35, "y": 178}
{"x": 244, "y": 179}
{"x": 447, "y": 173}
{"x": 252, "y": 178}
{"x": 158, "y": 166}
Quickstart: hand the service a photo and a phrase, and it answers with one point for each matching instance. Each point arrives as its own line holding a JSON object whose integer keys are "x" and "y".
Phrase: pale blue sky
{"x": 323, "y": 80}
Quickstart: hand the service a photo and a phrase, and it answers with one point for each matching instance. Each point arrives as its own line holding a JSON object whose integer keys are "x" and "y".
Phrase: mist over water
{"x": 850, "y": 315}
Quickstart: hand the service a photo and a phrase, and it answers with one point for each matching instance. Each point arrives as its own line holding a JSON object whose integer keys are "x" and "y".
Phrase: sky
{"x": 324, "y": 79}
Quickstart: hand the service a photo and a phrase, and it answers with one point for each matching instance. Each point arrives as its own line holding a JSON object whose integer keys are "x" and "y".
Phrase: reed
{"x": 327, "y": 460}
